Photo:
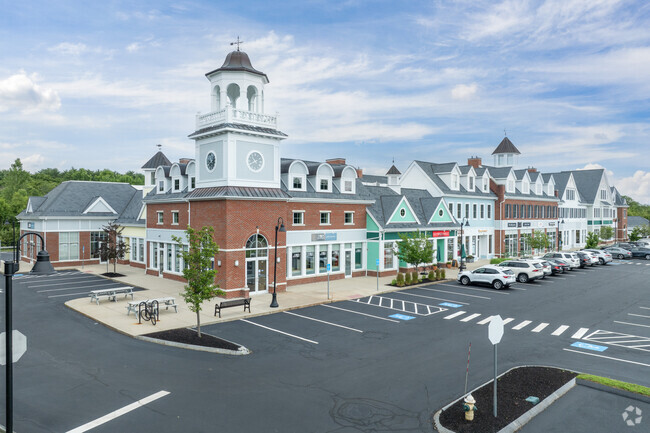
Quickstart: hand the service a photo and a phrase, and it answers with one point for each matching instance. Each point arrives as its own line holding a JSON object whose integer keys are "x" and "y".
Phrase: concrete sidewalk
{"x": 114, "y": 314}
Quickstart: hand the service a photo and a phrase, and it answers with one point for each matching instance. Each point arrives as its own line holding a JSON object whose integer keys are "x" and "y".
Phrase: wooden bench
{"x": 246, "y": 302}
{"x": 110, "y": 293}
{"x": 167, "y": 302}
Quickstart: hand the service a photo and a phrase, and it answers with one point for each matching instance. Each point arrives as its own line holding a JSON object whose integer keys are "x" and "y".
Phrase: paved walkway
{"x": 113, "y": 314}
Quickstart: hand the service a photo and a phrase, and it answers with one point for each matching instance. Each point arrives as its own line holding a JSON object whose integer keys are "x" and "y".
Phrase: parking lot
{"x": 382, "y": 362}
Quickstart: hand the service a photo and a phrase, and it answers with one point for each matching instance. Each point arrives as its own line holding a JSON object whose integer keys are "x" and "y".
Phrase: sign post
{"x": 328, "y": 280}
{"x": 377, "y": 264}
{"x": 495, "y": 332}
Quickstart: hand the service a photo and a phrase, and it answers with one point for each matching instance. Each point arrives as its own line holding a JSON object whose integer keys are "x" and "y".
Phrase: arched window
{"x": 256, "y": 246}
{"x": 233, "y": 94}
{"x": 251, "y": 95}
{"x": 216, "y": 98}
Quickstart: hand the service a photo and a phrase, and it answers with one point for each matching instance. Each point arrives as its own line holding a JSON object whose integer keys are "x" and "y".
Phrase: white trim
{"x": 410, "y": 208}
{"x": 206, "y": 161}
{"x": 344, "y": 214}
{"x": 248, "y": 162}
{"x": 99, "y": 200}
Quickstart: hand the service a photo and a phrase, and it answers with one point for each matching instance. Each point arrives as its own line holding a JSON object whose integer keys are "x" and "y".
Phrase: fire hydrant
{"x": 470, "y": 407}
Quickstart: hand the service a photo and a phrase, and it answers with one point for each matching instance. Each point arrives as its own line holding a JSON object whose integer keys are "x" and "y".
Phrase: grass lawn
{"x": 638, "y": 389}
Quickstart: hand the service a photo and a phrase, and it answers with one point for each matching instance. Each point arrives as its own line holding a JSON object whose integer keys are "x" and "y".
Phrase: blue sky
{"x": 99, "y": 84}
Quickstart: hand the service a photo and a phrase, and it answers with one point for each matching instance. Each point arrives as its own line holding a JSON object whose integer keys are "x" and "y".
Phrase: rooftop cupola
{"x": 506, "y": 154}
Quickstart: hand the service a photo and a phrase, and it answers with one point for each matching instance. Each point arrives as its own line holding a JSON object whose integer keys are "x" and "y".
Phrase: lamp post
{"x": 559, "y": 233}
{"x": 463, "y": 222}
{"x": 278, "y": 227}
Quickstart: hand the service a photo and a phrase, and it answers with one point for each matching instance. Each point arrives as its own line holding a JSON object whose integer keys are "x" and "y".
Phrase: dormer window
{"x": 511, "y": 186}
{"x": 297, "y": 182}
{"x": 486, "y": 184}
{"x": 324, "y": 185}
{"x": 192, "y": 182}
{"x": 526, "y": 187}
{"x": 539, "y": 189}
{"x": 177, "y": 184}
{"x": 570, "y": 194}
{"x": 348, "y": 186}
{"x": 153, "y": 178}
{"x": 454, "y": 181}
{"x": 161, "y": 186}
{"x": 603, "y": 194}
{"x": 470, "y": 182}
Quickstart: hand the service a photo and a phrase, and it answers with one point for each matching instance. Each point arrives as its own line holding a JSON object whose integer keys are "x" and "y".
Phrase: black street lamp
{"x": 463, "y": 222}
{"x": 559, "y": 233}
{"x": 278, "y": 227}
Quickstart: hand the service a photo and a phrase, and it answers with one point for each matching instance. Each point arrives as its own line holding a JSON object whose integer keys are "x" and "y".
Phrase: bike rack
{"x": 148, "y": 312}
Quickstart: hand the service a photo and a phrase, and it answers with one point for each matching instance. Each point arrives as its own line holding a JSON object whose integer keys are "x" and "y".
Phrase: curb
{"x": 612, "y": 390}
{"x": 241, "y": 351}
{"x": 523, "y": 419}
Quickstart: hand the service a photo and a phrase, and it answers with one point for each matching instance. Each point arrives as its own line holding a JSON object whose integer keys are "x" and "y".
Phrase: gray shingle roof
{"x": 130, "y": 214}
{"x": 430, "y": 168}
{"x": 588, "y": 182}
{"x": 393, "y": 170}
{"x": 373, "y": 178}
{"x": 237, "y": 192}
{"x": 633, "y": 221}
{"x": 499, "y": 172}
{"x": 71, "y": 198}
{"x": 506, "y": 146}
{"x": 158, "y": 159}
{"x": 561, "y": 181}
{"x": 238, "y": 61}
{"x": 242, "y": 127}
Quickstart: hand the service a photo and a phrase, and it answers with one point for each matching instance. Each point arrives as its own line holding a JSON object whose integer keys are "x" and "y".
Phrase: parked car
{"x": 555, "y": 268}
{"x": 593, "y": 258}
{"x": 619, "y": 253}
{"x": 491, "y": 275}
{"x": 546, "y": 268}
{"x": 585, "y": 259}
{"x": 604, "y": 256}
{"x": 524, "y": 270}
{"x": 562, "y": 264}
{"x": 641, "y": 252}
{"x": 571, "y": 258}
{"x": 624, "y": 245}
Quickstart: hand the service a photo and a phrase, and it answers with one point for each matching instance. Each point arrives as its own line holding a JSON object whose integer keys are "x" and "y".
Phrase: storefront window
{"x": 141, "y": 249}
{"x": 96, "y": 239}
{"x": 322, "y": 259}
{"x": 177, "y": 263}
{"x": 358, "y": 255}
{"x": 310, "y": 259}
{"x": 511, "y": 245}
{"x": 450, "y": 249}
{"x": 68, "y": 246}
{"x": 388, "y": 255}
{"x": 154, "y": 257}
{"x": 336, "y": 250}
{"x": 170, "y": 258}
{"x": 296, "y": 261}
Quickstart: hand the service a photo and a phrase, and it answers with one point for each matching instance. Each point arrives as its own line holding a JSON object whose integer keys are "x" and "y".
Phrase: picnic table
{"x": 111, "y": 293}
{"x": 167, "y": 302}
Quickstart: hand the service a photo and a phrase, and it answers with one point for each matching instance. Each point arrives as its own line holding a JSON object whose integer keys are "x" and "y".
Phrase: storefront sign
{"x": 526, "y": 224}
{"x": 551, "y": 224}
{"x": 519, "y": 224}
{"x": 512, "y": 224}
{"x": 30, "y": 225}
{"x": 440, "y": 233}
{"x": 482, "y": 231}
{"x": 320, "y": 237}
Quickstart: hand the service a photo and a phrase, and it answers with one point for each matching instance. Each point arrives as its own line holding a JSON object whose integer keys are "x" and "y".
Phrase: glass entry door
{"x": 256, "y": 275}
{"x": 348, "y": 263}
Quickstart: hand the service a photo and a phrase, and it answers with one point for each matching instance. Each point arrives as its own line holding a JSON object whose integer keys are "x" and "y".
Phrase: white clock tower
{"x": 236, "y": 143}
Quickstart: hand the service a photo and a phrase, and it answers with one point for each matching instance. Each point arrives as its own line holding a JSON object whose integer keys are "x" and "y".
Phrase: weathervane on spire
{"x": 159, "y": 147}
{"x": 238, "y": 43}
{"x": 505, "y": 134}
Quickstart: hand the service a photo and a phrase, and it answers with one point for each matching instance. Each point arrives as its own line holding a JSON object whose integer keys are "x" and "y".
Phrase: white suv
{"x": 603, "y": 256}
{"x": 489, "y": 275}
{"x": 524, "y": 269}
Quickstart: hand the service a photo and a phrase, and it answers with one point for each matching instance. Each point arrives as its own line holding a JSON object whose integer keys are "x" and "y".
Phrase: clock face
{"x": 210, "y": 161}
{"x": 255, "y": 161}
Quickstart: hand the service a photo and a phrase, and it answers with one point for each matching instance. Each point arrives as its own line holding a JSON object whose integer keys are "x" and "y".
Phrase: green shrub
{"x": 430, "y": 276}
{"x": 394, "y": 282}
{"x": 400, "y": 278}
{"x": 496, "y": 261}
{"x": 407, "y": 279}
{"x": 439, "y": 274}
{"x": 415, "y": 277}
{"x": 443, "y": 274}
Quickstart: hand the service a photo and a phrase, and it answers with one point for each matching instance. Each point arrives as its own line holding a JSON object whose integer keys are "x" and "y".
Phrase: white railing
{"x": 233, "y": 115}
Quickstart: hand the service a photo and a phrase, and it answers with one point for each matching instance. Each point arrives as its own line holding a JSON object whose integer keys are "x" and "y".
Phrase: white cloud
{"x": 20, "y": 92}
{"x": 33, "y": 162}
{"x": 464, "y": 91}
{"x": 132, "y": 48}
{"x": 636, "y": 186}
{"x": 69, "y": 49}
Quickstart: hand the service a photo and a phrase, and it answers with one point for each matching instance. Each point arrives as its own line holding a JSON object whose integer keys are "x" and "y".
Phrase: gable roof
{"x": 158, "y": 159}
{"x": 393, "y": 170}
{"x": 431, "y": 170}
{"x": 588, "y": 182}
{"x": 633, "y": 221}
{"x": 506, "y": 146}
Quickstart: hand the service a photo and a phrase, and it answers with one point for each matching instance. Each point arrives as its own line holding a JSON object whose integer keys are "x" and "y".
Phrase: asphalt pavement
{"x": 359, "y": 365}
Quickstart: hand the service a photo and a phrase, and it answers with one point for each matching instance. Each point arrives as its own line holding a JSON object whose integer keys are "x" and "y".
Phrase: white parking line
{"x": 645, "y": 308}
{"x": 470, "y": 317}
{"x": 484, "y": 321}
{"x": 363, "y": 314}
{"x": 78, "y": 288}
{"x": 126, "y": 409}
{"x": 581, "y": 332}
{"x": 431, "y": 297}
{"x": 454, "y": 293}
{"x": 508, "y": 320}
{"x": 539, "y": 327}
{"x": 522, "y": 325}
{"x": 638, "y": 315}
{"x": 471, "y": 288}
{"x": 608, "y": 357}
{"x": 456, "y": 314}
{"x": 68, "y": 294}
{"x": 280, "y": 332}
{"x": 633, "y": 324}
{"x": 323, "y": 321}
{"x": 560, "y": 330}
{"x": 60, "y": 284}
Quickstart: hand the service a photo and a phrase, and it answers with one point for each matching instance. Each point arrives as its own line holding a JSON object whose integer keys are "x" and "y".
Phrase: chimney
{"x": 185, "y": 160}
{"x": 335, "y": 161}
{"x": 359, "y": 173}
{"x": 532, "y": 170}
{"x": 557, "y": 193}
{"x": 474, "y": 161}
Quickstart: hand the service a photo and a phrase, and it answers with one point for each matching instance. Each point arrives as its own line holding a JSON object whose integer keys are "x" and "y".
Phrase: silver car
{"x": 570, "y": 258}
{"x": 619, "y": 253}
{"x": 604, "y": 256}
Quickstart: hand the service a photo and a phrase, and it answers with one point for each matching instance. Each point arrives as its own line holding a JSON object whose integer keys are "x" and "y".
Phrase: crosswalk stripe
{"x": 456, "y": 314}
{"x": 581, "y": 332}
{"x": 484, "y": 321}
{"x": 508, "y": 320}
{"x": 560, "y": 330}
{"x": 470, "y": 317}
{"x": 539, "y": 327}
{"x": 522, "y": 324}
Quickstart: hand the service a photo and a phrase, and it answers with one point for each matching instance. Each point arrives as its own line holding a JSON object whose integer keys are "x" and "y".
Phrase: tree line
{"x": 18, "y": 184}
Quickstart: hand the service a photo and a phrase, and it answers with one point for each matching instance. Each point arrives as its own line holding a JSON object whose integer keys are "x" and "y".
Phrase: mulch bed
{"x": 112, "y": 274}
{"x": 190, "y": 336}
{"x": 512, "y": 390}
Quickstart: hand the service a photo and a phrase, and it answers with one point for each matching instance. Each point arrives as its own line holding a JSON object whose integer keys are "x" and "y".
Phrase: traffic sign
{"x": 329, "y": 267}
{"x": 377, "y": 262}
{"x": 495, "y": 329}
{"x": 19, "y": 346}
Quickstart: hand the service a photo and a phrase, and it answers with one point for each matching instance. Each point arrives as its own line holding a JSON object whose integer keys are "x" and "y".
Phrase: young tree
{"x": 538, "y": 240}
{"x": 114, "y": 247}
{"x": 415, "y": 249}
{"x": 592, "y": 240}
{"x": 199, "y": 268}
{"x": 606, "y": 232}
{"x": 635, "y": 235}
